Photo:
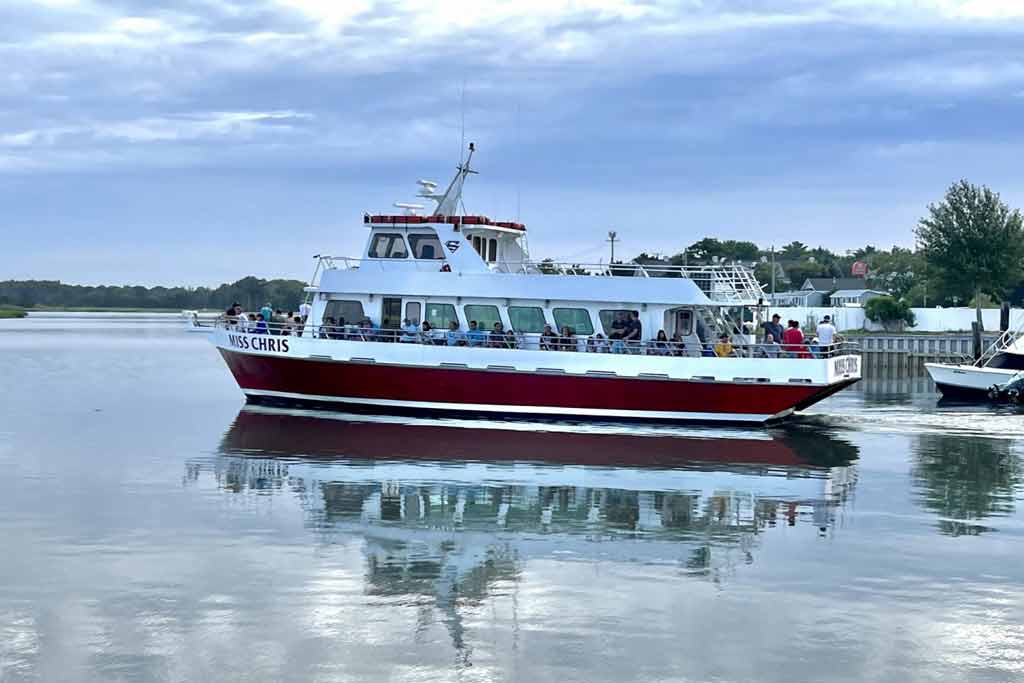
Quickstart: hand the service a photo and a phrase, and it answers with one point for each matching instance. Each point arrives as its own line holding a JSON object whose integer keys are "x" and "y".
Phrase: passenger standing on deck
{"x": 304, "y": 310}
{"x": 279, "y": 322}
{"x": 774, "y": 328}
{"x": 826, "y": 333}
{"x": 266, "y": 312}
{"x": 620, "y": 327}
{"x": 261, "y": 325}
{"x": 634, "y": 333}
{"x": 792, "y": 339}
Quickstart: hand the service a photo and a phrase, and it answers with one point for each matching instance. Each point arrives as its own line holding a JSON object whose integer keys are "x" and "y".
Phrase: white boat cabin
{"x": 443, "y": 267}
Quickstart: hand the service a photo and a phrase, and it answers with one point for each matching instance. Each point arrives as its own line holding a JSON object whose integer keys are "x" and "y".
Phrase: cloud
{"x": 600, "y": 99}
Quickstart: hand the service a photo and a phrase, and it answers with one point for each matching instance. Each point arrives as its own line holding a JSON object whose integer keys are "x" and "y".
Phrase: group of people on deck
{"x": 790, "y": 341}
{"x": 625, "y": 337}
{"x": 269, "y": 320}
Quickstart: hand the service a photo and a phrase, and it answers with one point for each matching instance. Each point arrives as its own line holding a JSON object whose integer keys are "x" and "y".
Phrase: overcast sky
{"x": 197, "y": 141}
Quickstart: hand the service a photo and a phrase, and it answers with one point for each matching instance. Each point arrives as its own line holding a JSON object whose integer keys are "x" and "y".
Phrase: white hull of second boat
{"x": 967, "y": 381}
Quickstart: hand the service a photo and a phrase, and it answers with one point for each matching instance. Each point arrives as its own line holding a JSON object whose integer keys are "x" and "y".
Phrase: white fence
{"x": 928, "y": 319}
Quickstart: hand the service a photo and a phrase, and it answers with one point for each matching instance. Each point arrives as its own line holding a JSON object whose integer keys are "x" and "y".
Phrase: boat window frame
{"x": 543, "y": 318}
{"x": 608, "y": 328}
{"x": 576, "y": 330}
{"x": 416, "y": 241}
{"x": 418, "y": 318}
{"x": 444, "y": 325}
{"x": 339, "y": 302}
{"x": 390, "y": 253}
{"x": 490, "y": 325}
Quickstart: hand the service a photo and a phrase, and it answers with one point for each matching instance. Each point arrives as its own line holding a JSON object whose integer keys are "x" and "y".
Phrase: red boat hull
{"x": 399, "y": 388}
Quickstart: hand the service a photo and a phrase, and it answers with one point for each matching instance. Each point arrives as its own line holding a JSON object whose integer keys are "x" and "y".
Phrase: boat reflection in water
{"x": 410, "y": 481}
{"x": 450, "y": 514}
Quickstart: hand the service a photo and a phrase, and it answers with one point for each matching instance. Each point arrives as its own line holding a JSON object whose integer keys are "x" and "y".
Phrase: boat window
{"x": 526, "y": 318}
{"x": 576, "y": 318}
{"x": 608, "y": 317}
{"x": 478, "y": 242}
{"x": 485, "y": 316}
{"x": 412, "y": 311}
{"x": 684, "y": 322}
{"x": 426, "y": 246}
{"x": 492, "y": 250}
{"x": 388, "y": 245}
{"x": 439, "y": 315}
{"x": 351, "y": 311}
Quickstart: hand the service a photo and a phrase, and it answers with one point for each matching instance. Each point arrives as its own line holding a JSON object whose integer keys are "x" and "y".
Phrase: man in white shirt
{"x": 304, "y": 309}
{"x": 826, "y": 332}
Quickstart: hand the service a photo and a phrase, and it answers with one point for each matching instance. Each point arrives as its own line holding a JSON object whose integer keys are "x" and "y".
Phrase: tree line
{"x": 252, "y": 292}
{"x": 970, "y": 251}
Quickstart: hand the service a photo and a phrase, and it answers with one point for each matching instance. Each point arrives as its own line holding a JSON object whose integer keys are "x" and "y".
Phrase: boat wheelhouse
{"x": 488, "y": 330}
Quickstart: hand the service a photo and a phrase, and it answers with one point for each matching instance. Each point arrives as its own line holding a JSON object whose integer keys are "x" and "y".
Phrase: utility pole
{"x": 612, "y": 239}
{"x": 773, "y": 275}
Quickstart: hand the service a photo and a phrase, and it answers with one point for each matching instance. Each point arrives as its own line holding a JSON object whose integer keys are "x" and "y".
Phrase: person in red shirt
{"x": 792, "y": 339}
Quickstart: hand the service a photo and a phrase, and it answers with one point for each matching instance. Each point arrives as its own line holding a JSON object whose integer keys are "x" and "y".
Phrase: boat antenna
{"x": 448, "y": 203}
{"x": 462, "y": 133}
{"x": 519, "y": 150}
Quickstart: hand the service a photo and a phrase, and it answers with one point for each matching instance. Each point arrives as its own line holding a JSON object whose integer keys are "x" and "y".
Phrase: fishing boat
{"x": 445, "y": 311}
{"x": 989, "y": 376}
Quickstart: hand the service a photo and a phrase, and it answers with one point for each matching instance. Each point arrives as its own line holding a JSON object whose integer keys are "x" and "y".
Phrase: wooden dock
{"x": 910, "y": 351}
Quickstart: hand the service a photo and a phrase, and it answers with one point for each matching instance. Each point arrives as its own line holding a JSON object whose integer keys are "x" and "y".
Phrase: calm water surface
{"x": 154, "y": 529}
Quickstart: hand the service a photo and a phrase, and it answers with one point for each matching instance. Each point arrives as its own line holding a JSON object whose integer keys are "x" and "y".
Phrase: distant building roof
{"x": 855, "y": 292}
{"x": 827, "y": 284}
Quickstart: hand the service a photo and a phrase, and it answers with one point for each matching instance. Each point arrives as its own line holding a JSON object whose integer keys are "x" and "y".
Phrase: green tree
{"x": 974, "y": 242}
{"x": 889, "y": 312}
{"x": 795, "y": 250}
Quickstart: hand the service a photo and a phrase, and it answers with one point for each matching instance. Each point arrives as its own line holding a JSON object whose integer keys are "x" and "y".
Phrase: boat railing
{"x": 726, "y": 283}
{"x": 535, "y": 341}
{"x": 1001, "y": 343}
{"x": 722, "y": 283}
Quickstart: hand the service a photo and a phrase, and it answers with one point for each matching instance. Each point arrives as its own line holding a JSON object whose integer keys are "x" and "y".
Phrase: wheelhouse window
{"x": 608, "y": 317}
{"x": 351, "y": 311}
{"x": 485, "y": 316}
{"x": 439, "y": 315}
{"x": 526, "y": 318}
{"x": 426, "y": 246}
{"x": 576, "y": 318}
{"x": 388, "y": 245}
{"x": 486, "y": 247}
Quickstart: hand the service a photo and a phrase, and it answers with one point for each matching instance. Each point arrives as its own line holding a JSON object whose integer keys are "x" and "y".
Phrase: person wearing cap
{"x": 826, "y": 332}
{"x": 773, "y": 327}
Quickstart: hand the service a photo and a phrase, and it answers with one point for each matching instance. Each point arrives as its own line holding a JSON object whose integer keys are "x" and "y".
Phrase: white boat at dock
{"x": 1001, "y": 363}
